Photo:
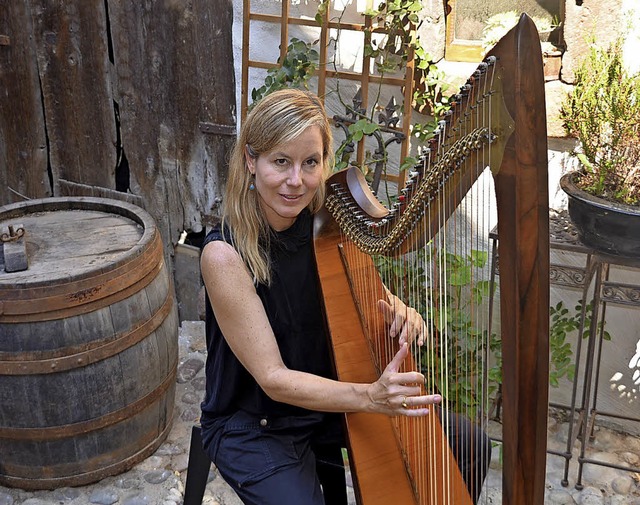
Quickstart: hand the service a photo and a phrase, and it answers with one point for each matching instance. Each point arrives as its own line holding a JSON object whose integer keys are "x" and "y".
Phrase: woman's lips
{"x": 291, "y": 198}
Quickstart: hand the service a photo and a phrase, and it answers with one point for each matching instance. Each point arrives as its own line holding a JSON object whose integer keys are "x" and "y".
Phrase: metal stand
{"x": 605, "y": 292}
{"x": 563, "y": 237}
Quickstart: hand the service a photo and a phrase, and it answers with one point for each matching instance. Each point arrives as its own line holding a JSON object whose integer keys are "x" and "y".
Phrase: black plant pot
{"x": 611, "y": 228}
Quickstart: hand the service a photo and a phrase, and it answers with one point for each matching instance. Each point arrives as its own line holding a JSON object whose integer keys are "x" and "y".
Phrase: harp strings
{"x": 446, "y": 280}
{"x": 459, "y": 307}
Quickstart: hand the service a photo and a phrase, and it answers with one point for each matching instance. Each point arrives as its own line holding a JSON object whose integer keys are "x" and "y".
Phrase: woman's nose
{"x": 295, "y": 176}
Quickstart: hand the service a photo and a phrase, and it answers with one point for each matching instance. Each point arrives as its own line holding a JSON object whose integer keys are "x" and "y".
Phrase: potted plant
{"x": 603, "y": 112}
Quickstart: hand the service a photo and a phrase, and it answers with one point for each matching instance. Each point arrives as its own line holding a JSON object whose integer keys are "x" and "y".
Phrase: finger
{"x": 405, "y": 333}
{"x": 415, "y": 330}
{"x": 393, "y": 314}
{"x": 419, "y": 400}
{"x": 425, "y": 399}
{"x": 388, "y": 313}
{"x": 422, "y": 334}
{"x": 413, "y": 406}
{"x": 415, "y": 412}
{"x": 394, "y": 364}
{"x": 399, "y": 326}
{"x": 408, "y": 332}
{"x": 411, "y": 382}
{"x": 406, "y": 321}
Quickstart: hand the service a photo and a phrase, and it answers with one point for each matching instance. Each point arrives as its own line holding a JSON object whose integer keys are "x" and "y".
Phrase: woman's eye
{"x": 311, "y": 163}
{"x": 281, "y": 162}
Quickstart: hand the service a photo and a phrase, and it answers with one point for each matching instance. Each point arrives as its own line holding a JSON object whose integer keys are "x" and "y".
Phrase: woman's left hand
{"x": 405, "y": 322}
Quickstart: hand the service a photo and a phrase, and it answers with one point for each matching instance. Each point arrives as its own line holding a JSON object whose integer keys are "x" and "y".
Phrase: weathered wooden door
{"x": 106, "y": 97}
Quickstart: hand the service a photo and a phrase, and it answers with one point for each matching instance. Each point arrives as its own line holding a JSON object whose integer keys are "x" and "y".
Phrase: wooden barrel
{"x": 88, "y": 343}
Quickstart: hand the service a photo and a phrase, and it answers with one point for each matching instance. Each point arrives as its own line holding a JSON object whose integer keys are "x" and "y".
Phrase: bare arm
{"x": 244, "y": 323}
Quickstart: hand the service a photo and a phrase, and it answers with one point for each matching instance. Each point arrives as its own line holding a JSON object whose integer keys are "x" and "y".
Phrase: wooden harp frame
{"x": 521, "y": 188}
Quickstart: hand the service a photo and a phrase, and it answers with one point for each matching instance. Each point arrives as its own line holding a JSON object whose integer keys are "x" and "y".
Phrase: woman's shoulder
{"x": 218, "y": 233}
{"x": 225, "y": 274}
{"x": 218, "y": 243}
{"x": 221, "y": 259}
{"x": 220, "y": 254}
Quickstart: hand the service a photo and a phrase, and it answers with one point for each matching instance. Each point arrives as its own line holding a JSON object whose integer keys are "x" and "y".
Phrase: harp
{"x": 498, "y": 122}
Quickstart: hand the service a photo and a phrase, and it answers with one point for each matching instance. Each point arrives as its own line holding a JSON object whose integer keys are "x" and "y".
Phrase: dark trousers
{"x": 284, "y": 462}
{"x": 471, "y": 447}
{"x": 293, "y": 460}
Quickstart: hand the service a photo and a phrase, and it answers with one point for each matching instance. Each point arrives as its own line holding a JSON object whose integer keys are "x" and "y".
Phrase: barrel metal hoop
{"x": 21, "y": 365}
{"x": 81, "y": 295}
{"x": 15, "y": 475}
{"x": 72, "y": 430}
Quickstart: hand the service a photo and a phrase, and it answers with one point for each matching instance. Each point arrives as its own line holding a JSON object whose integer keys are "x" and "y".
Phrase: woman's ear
{"x": 251, "y": 161}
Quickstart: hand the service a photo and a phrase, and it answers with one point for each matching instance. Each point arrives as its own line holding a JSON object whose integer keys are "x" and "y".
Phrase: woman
{"x": 268, "y": 418}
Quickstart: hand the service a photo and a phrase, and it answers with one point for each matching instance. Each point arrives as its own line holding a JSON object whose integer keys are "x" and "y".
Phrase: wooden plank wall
{"x": 104, "y": 95}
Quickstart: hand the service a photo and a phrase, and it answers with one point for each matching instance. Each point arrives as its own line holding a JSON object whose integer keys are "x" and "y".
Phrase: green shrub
{"x": 603, "y": 112}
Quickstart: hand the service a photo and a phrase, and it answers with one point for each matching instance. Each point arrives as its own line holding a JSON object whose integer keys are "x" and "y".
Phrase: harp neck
{"x": 473, "y": 135}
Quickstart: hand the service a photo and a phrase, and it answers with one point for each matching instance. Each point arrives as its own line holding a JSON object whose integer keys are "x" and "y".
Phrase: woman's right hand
{"x": 400, "y": 393}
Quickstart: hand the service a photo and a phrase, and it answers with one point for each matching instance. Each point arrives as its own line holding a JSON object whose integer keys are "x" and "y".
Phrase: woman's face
{"x": 287, "y": 177}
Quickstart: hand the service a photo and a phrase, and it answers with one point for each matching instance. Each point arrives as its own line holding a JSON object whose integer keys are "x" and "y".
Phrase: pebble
{"x": 630, "y": 457}
{"x": 6, "y": 499}
{"x": 169, "y": 450}
{"x": 66, "y": 494}
{"x": 188, "y": 370}
{"x": 559, "y": 497}
{"x": 200, "y": 384}
{"x": 190, "y": 398}
{"x": 137, "y": 500}
{"x": 158, "y": 476}
{"x": 602, "y": 475}
{"x": 622, "y": 485}
{"x": 128, "y": 483}
{"x": 154, "y": 462}
{"x": 104, "y": 497}
{"x": 181, "y": 463}
{"x": 194, "y": 329}
{"x": 191, "y": 414}
{"x": 590, "y": 496}
{"x": 174, "y": 494}
{"x": 632, "y": 443}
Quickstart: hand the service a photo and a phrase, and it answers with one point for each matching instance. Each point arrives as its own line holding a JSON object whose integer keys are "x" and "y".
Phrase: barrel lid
{"x": 70, "y": 239}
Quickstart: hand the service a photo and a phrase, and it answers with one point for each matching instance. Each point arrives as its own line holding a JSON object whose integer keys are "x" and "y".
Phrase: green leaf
{"x": 369, "y": 128}
{"x": 460, "y": 277}
{"x": 479, "y": 258}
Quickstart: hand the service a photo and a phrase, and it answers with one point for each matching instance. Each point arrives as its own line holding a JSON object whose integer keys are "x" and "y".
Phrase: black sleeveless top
{"x": 293, "y": 306}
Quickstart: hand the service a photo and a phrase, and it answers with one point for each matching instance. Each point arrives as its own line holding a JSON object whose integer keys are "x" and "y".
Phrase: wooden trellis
{"x": 324, "y": 72}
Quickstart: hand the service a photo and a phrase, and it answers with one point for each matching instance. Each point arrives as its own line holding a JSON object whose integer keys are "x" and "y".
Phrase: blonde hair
{"x": 275, "y": 120}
